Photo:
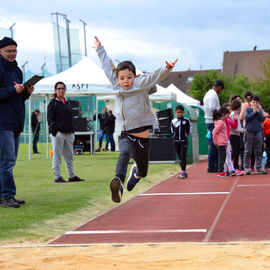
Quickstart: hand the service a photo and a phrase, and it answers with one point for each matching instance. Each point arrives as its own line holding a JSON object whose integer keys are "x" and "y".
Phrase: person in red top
{"x": 266, "y": 134}
{"x": 230, "y": 123}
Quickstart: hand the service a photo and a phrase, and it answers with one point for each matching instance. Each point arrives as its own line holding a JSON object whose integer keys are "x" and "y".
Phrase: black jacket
{"x": 35, "y": 125}
{"x": 180, "y": 129}
{"x": 109, "y": 124}
{"x": 101, "y": 117}
{"x": 12, "y": 105}
{"x": 59, "y": 116}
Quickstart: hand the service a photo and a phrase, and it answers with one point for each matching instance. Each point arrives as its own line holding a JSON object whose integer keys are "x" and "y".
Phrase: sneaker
{"x": 227, "y": 173}
{"x": 261, "y": 171}
{"x": 60, "y": 180}
{"x": 117, "y": 189}
{"x": 247, "y": 172}
{"x": 19, "y": 201}
{"x": 221, "y": 174}
{"x": 132, "y": 180}
{"x": 182, "y": 175}
{"x": 232, "y": 173}
{"x": 239, "y": 173}
{"x": 75, "y": 179}
{"x": 9, "y": 203}
{"x": 251, "y": 170}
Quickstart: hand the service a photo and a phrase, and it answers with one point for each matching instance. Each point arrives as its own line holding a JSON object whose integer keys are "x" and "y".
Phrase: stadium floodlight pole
{"x": 43, "y": 69}
{"x": 84, "y": 32}
{"x": 58, "y": 36}
{"x": 23, "y": 68}
{"x": 68, "y": 40}
{"x": 11, "y": 30}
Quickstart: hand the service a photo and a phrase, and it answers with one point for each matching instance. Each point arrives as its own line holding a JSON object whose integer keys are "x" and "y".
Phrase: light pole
{"x": 43, "y": 69}
{"x": 11, "y": 30}
{"x": 23, "y": 68}
{"x": 84, "y": 33}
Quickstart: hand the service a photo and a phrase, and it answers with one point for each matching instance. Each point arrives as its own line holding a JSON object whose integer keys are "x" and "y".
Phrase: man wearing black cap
{"x": 211, "y": 103}
{"x": 12, "y": 114}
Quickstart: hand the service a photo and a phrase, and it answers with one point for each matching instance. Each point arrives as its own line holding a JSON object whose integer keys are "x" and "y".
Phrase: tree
{"x": 202, "y": 82}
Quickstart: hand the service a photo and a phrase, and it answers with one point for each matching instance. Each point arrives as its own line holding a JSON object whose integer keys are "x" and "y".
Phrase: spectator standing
{"x": 61, "y": 131}
{"x": 109, "y": 129}
{"x": 102, "y": 118}
{"x": 266, "y": 133}
{"x": 253, "y": 138}
{"x": 211, "y": 103}
{"x": 12, "y": 114}
{"x": 35, "y": 126}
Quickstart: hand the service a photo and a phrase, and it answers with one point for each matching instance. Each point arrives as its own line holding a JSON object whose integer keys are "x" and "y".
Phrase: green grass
{"x": 51, "y": 209}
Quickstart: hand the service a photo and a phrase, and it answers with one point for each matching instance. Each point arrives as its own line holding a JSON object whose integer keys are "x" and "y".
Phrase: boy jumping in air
{"x": 134, "y": 113}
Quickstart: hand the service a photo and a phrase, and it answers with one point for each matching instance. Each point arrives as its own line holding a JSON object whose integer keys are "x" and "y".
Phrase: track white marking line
{"x": 138, "y": 231}
{"x": 182, "y": 194}
{"x": 254, "y": 185}
{"x": 212, "y": 228}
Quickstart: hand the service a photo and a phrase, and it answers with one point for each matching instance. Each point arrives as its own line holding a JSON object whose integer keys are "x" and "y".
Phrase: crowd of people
{"x": 238, "y": 134}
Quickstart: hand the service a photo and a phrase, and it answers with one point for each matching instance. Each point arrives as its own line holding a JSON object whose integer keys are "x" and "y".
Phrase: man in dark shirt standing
{"x": 12, "y": 114}
{"x": 102, "y": 118}
{"x": 109, "y": 128}
{"x": 35, "y": 125}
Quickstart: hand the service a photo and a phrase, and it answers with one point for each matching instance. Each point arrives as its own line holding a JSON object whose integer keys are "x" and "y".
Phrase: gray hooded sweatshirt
{"x": 132, "y": 106}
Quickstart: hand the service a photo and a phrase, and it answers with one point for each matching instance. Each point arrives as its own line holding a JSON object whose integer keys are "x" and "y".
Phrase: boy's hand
{"x": 97, "y": 43}
{"x": 170, "y": 65}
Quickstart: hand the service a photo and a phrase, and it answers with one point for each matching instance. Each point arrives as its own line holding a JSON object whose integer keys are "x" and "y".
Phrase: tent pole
{"x": 96, "y": 124}
{"x": 29, "y": 128}
{"x": 47, "y": 133}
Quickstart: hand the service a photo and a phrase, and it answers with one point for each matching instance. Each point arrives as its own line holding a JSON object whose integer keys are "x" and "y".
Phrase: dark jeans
{"x": 235, "y": 143}
{"x": 267, "y": 148}
{"x": 181, "y": 150}
{"x": 35, "y": 140}
{"x": 213, "y": 153}
{"x": 136, "y": 148}
{"x": 221, "y": 157}
{"x": 241, "y": 151}
{"x": 110, "y": 140}
{"x": 9, "y": 145}
{"x": 103, "y": 133}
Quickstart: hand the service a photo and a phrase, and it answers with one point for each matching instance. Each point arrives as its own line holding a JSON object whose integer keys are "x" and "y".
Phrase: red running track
{"x": 201, "y": 208}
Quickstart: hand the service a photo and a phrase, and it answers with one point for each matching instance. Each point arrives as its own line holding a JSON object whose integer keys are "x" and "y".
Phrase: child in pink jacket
{"x": 230, "y": 123}
{"x": 220, "y": 137}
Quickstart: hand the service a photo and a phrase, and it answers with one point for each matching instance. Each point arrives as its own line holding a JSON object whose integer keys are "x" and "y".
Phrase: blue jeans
{"x": 102, "y": 134}
{"x": 110, "y": 140}
{"x": 9, "y": 145}
{"x": 213, "y": 153}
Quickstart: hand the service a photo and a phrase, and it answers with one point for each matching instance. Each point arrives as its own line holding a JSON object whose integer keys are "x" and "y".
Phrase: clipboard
{"x": 33, "y": 81}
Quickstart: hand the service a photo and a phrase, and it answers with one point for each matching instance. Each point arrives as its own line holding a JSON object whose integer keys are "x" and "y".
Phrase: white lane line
{"x": 181, "y": 194}
{"x": 216, "y": 220}
{"x": 139, "y": 231}
{"x": 254, "y": 185}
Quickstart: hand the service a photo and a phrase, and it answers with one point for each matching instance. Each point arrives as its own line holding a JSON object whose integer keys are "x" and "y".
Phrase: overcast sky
{"x": 147, "y": 32}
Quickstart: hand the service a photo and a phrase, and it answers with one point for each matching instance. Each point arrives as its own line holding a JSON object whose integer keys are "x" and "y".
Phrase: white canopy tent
{"x": 182, "y": 97}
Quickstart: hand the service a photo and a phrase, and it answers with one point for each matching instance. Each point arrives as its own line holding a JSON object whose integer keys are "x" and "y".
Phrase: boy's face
{"x": 179, "y": 113}
{"x": 255, "y": 103}
{"x": 125, "y": 78}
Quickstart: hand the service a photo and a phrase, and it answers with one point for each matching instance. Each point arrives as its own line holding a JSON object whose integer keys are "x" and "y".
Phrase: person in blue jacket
{"x": 12, "y": 114}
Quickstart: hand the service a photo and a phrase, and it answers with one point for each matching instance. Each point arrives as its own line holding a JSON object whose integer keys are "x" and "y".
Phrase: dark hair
{"x": 179, "y": 107}
{"x": 37, "y": 110}
{"x": 236, "y": 104}
{"x": 220, "y": 112}
{"x": 55, "y": 86}
{"x": 126, "y": 65}
{"x": 257, "y": 98}
{"x": 247, "y": 94}
{"x": 226, "y": 105}
{"x": 110, "y": 111}
{"x": 234, "y": 97}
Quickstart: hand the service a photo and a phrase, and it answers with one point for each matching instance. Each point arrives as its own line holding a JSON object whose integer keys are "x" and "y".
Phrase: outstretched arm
{"x": 106, "y": 62}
